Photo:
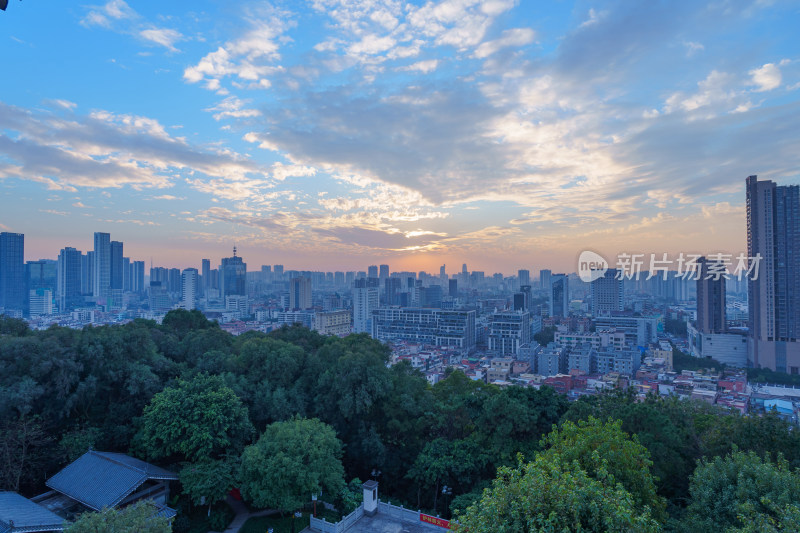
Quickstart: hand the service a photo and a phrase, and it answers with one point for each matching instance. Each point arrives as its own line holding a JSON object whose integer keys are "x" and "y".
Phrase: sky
{"x": 334, "y": 134}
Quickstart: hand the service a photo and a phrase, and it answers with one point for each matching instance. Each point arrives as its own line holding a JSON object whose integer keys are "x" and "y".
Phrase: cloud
{"x": 425, "y": 67}
{"x": 510, "y": 38}
{"x": 118, "y": 16}
{"x": 767, "y": 77}
{"x": 233, "y": 107}
{"x": 163, "y": 36}
{"x": 250, "y": 58}
{"x": 66, "y": 150}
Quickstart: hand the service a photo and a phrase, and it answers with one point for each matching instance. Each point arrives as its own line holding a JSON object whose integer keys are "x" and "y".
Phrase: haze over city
{"x": 332, "y": 135}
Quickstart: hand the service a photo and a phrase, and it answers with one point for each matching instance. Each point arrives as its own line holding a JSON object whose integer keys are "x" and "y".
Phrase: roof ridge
{"x": 105, "y": 456}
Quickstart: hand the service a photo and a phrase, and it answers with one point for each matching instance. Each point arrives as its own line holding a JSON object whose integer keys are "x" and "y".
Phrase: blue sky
{"x": 332, "y": 134}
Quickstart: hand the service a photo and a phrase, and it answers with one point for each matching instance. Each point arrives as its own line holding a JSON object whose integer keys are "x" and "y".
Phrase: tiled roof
{"x": 25, "y": 515}
{"x": 102, "y": 479}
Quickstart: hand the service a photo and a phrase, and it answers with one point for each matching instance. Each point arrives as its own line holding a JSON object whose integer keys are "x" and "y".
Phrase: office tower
{"x": 430, "y": 296}
{"x": 544, "y": 279}
{"x": 127, "y": 274}
{"x": 442, "y": 272}
{"x": 524, "y": 277}
{"x": 773, "y": 233}
{"x": 372, "y": 271}
{"x": 138, "y": 276}
{"x": 189, "y": 284}
{"x": 383, "y": 272}
{"x": 559, "y": 295}
{"x": 101, "y": 278}
{"x": 366, "y": 299}
{"x": 521, "y": 302}
{"x": 161, "y": 275}
{"x": 300, "y": 293}
{"x": 277, "y": 271}
{"x": 87, "y": 273}
{"x": 205, "y": 278}
{"x": 174, "y": 280}
{"x": 117, "y": 277}
{"x": 158, "y": 297}
{"x": 607, "y": 293}
{"x": 12, "y": 271}
{"x": 233, "y": 275}
{"x": 710, "y": 297}
{"x": 266, "y": 273}
{"x": 464, "y": 270}
{"x": 453, "y": 288}
{"x": 68, "y": 284}
{"x": 392, "y": 288}
{"x": 40, "y": 284}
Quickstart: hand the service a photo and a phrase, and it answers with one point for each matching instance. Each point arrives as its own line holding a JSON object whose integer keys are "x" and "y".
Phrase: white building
{"x": 189, "y": 281}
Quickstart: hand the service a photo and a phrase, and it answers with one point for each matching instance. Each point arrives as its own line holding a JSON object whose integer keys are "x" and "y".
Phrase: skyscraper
{"x": 12, "y": 271}
{"x": 205, "y": 280}
{"x": 116, "y": 265}
{"x": 300, "y": 293}
{"x": 68, "y": 286}
{"x": 559, "y": 295}
{"x": 383, "y": 272}
{"x": 189, "y": 282}
{"x": 524, "y": 277}
{"x": 372, "y": 271}
{"x": 544, "y": 279}
{"x": 137, "y": 283}
{"x": 366, "y": 299}
{"x": 607, "y": 293}
{"x": 101, "y": 269}
{"x": 233, "y": 276}
{"x": 710, "y": 298}
{"x": 773, "y": 233}
{"x": 40, "y": 285}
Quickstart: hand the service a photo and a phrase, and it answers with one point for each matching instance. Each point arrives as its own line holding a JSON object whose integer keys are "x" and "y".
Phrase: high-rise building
{"x": 127, "y": 274}
{"x": 205, "y": 280}
{"x": 544, "y": 279}
{"x": 101, "y": 268}
{"x": 372, "y": 271}
{"x": 300, "y": 293}
{"x": 138, "y": 276}
{"x": 524, "y": 277}
{"x": 87, "y": 273}
{"x": 607, "y": 293}
{"x": 116, "y": 266}
{"x": 174, "y": 280}
{"x": 425, "y": 326}
{"x": 559, "y": 295}
{"x": 453, "y": 288}
{"x": 277, "y": 272}
{"x": 508, "y": 331}
{"x": 392, "y": 288}
{"x": 40, "y": 284}
{"x": 12, "y": 271}
{"x": 710, "y": 297}
{"x": 189, "y": 284}
{"x": 233, "y": 276}
{"x": 383, "y": 272}
{"x": 68, "y": 284}
{"x": 442, "y": 272}
{"x": 773, "y": 234}
{"x": 366, "y": 299}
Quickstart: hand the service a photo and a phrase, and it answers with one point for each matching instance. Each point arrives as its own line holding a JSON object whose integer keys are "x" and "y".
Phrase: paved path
{"x": 243, "y": 514}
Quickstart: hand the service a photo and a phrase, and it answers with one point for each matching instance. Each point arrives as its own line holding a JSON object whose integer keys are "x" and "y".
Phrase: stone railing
{"x": 387, "y": 509}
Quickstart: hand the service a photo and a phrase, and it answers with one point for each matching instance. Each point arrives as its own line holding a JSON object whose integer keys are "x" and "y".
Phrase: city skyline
{"x": 499, "y": 134}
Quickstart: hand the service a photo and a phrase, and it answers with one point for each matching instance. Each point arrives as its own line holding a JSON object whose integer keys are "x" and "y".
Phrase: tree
{"x": 546, "y": 336}
{"x": 210, "y": 481}
{"x": 551, "y": 495}
{"x": 194, "y": 421}
{"x": 140, "y": 517}
{"x": 290, "y": 461}
{"x": 604, "y": 451}
{"x": 735, "y": 492}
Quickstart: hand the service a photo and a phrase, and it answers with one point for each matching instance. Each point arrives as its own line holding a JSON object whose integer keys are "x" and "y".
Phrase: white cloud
{"x": 233, "y": 107}
{"x": 424, "y": 67}
{"x": 162, "y": 36}
{"x": 692, "y": 48}
{"x": 767, "y": 77}
{"x": 513, "y": 37}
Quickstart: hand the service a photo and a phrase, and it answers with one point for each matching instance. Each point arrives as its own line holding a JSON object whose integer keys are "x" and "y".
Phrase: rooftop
{"x": 19, "y": 514}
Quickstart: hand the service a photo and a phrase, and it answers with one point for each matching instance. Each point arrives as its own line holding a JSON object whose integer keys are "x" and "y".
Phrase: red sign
{"x": 435, "y": 521}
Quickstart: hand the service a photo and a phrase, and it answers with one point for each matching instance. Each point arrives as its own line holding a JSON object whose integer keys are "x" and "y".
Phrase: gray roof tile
{"x": 26, "y": 515}
{"x": 103, "y": 479}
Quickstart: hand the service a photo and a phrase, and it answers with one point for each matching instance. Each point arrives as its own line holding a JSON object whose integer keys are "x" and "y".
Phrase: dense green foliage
{"x": 190, "y": 397}
{"x": 291, "y": 461}
{"x": 765, "y": 375}
{"x": 138, "y": 518}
